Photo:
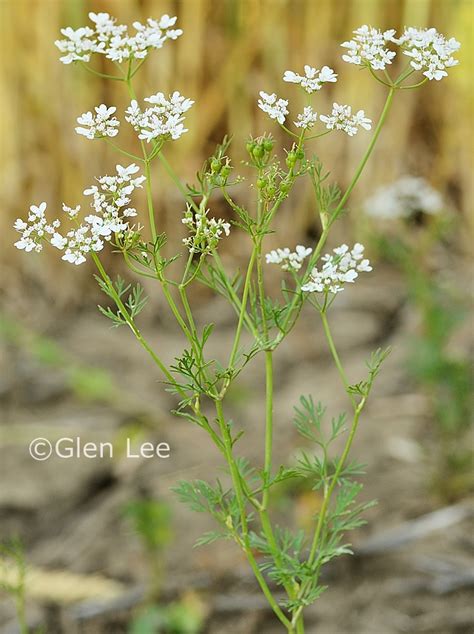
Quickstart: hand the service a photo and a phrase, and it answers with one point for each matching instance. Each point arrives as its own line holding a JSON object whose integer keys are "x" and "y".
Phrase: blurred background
{"x": 106, "y": 545}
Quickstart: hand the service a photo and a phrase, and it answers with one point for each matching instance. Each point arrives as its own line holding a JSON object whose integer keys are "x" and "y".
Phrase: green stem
{"x": 172, "y": 174}
{"x": 235, "y": 300}
{"x": 244, "y": 541}
{"x": 293, "y": 134}
{"x": 327, "y": 499}
{"x": 335, "y": 356}
{"x": 376, "y": 77}
{"x": 367, "y": 153}
{"x": 298, "y": 298}
{"x": 131, "y": 323}
{"x": 99, "y": 74}
{"x": 119, "y": 149}
{"x": 317, "y": 136}
{"x": 176, "y": 312}
{"x": 149, "y": 199}
{"x": 151, "y": 216}
{"x": 334, "y": 480}
{"x": 21, "y": 610}
{"x": 300, "y": 624}
{"x": 420, "y": 83}
{"x": 135, "y": 269}
{"x": 267, "y": 470}
{"x": 243, "y": 309}
{"x": 404, "y": 75}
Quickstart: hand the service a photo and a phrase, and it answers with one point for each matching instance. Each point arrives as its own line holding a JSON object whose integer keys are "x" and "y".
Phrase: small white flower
{"x": 35, "y": 230}
{"x": 162, "y": 120}
{"x": 429, "y": 51}
{"x": 111, "y": 214}
{"x": 58, "y": 241}
{"x": 78, "y": 45}
{"x": 113, "y": 40}
{"x": 205, "y": 232}
{"x": 341, "y": 118}
{"x": 341, "y": 267}
{"x": 307, "y": 118}
{"x": 110, "y": 201}
{"x": 289, "y": 260}
{"x": 100, "y": 125}
{"x": 72, "y": 212}
{"x": 313, "y": 79}
{"x": 274, "y": 107}
{"x": 80, "y": 242}
{"x": 369, "y": 48}
{"x": 20, "y": 224}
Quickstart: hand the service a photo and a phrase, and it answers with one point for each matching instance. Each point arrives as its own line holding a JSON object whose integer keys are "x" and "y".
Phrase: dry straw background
{"x": 230, "y": 50}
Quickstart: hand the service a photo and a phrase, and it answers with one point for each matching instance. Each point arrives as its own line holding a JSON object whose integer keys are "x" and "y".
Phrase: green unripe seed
{"x": 215, "y": 165}
{"x": 261, "y": 182}
{"x": 268, "y": 145}
{"x": 258, "y": 151}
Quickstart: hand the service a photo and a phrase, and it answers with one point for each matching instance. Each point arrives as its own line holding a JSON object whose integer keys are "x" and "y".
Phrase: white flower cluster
{"x": 205, "y": 232}
{"x": 290, "y": 260}
{"x": 274, "y": 107}
{"x": 407, "y": 196}
{"x": 313, "y": 79}
{"x": 430, "y": 51}
{"x": 113, "y": 40}
{"x": 110, "y": 204}
{"x": 77, "y": 243}
{"x": 340, "y": 267}
{"x": 35, "y": 230}
{"x": 164, "y": 119}
{"x": 111, "y": 198}
{"x": 99, "y": 125}
{"x": 306, "y": 119}
{"x": 369, "y": 47}
{"x": 341, "y": 118}
{"x": 72, "y": 212}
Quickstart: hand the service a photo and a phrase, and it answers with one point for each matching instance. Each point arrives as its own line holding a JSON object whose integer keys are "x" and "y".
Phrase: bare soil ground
{"x": 70, "y": 512}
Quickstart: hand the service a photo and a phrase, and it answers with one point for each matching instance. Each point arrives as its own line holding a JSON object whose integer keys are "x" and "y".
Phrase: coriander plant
{"x": 277, "y": 556}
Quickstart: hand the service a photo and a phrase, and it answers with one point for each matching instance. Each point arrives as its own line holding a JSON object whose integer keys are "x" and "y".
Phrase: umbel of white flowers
{"x": 341, "y": 266}
{"x": 429, "y": 51}
{"x": 163, "y": 120}
{"x": 113, "y": 40}
{"x": 110, "y": 203}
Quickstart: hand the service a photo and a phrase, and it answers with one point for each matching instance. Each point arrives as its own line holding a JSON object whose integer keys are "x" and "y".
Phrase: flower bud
{"x": 268, "y": 145}
{"x": 215, "y": 165}
{"x": 250, "y": 146}
{"x": 291, "y": 159}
